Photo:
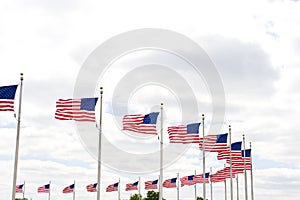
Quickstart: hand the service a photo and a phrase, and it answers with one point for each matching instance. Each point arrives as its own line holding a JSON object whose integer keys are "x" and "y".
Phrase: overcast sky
{"x": 254, "y": 45}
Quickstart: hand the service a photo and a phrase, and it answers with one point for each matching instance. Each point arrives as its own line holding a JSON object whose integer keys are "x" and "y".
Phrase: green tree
{"x": 21, "y": 199}
{"x": 152, "y": 195}
{"x": 200, "y": 198}
{"x": 135, "y": 197}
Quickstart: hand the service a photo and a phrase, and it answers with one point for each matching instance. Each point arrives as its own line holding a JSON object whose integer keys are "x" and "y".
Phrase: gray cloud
{"x": 244, "y": 67}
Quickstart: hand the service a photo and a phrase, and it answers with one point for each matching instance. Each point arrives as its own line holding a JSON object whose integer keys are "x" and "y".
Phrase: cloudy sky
{"x": 254, "y": 45}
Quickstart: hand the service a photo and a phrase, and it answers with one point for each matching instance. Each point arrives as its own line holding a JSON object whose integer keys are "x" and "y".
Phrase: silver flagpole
{"x": 231, "y": 187}
{"x": 203, "y": 155}
{"x": 140, "y": 188}
{"x": 237, "y": 187}
{"x": 74, "y": 191}
{"x": 17, "y": 141}
{"x": 211, "y": 188}
{"x": 161, "y": 153}
{"x": 24, "y": 191}
{"x": 99, "y": 146}
{"x": 178, "y": 186}
{"x": 49, "y": 190}
{"x": 245, "y": 169}
{"x": 251, "y": 174}
{"x": 225, "y": 186}
{"x": 119, "y": 196}
{"x": 195, "y": 187}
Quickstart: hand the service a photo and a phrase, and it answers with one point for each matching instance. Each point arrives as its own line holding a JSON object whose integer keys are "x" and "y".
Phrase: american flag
{"x": 238, "y": 164}
{"x": 112, "y": 187}
{"x": 145, "y": 124}
{"x": 44, "y": 189}
{"x": 132, "y": 186}
{"x": 69, "y": 189}
{"x": 76, "y": 109}
{"x": 7, "y": 96}
{"x": 92, "y": 187}
{"x": 215, "y": 143}
{"x": 19, "y": 188}
{"x": 221, "y": 175}
{"x": 187, "y": 180}
{"x": 170, "y": 183}
{"x": 150, "y": 185}
{"x": 184, "y": 134}
{"x": 235, "y": 152}
{"x": 239, "y": 159}
{"x": 199, "y": 178}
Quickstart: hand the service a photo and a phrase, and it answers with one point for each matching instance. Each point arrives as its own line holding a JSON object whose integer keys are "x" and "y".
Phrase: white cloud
{"x": 255, "y": 46}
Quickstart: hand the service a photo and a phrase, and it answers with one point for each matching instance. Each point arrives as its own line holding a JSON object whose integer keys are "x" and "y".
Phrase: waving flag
{"x": 69, "y": 189}
{"x": 44, "y": 189}
{"x": 184, "y": 134}
{"x": 170, "y": 183}
{"x": 221, "y": 175}
{"x": 149, "y": 185}
{"x": 7, "y": 97}
{"x": 92, "y": 187}
{"x": 19, "y": 188}
{"x": 238, "y": 163}
{"x": 145, "y": 124}
{"x": 199, "y": 178}
{"x": 215, "y": 143}
{"x": 235, "y": 152}
{"x": 76, "y": 109}
{"x": 132, "y": 186}
{"x": 112, "y": 187}
{"x": 239, "y": 158}
{"x": 187, "y": 180}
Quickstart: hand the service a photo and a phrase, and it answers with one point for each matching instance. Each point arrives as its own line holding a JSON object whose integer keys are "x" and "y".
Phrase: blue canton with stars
{"x": 88, "y": 104}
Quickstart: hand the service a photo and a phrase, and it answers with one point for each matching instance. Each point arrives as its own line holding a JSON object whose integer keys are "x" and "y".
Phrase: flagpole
{"x": 251, "y": 174}
{"x": 99, "y": 147}
{"x": 140, "y": 188}
{"x": 225, "y": 189}
{"x": 203, "y": 155}
{"x": 50, "y": 190}
{"x": 74, "y": 191}
{"x": 161, "y": 153}
{"x": 195, "y": 186}
{"x": 178, "y": 186}
{"x": 211, "y": 188}
{"x": 231, "y": 187}
{"x": 245, "y": 169}
{"x": 24, "y": 191}
{"x": 225, "y": 186}
{"x": 237, "y": 187}
{"x": 119, "y": 190}
{"x": 17, "y": 140}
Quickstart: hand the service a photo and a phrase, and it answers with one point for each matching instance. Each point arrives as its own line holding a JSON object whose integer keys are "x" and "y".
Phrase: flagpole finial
{"x": 101, "y": 90}
{"x": 202, "y": 116}
{"x": 21, "y": 76}
{"x": 250, "y": 144}
{"x": 161, "y": 103}
{"x": 243, "y": 135}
